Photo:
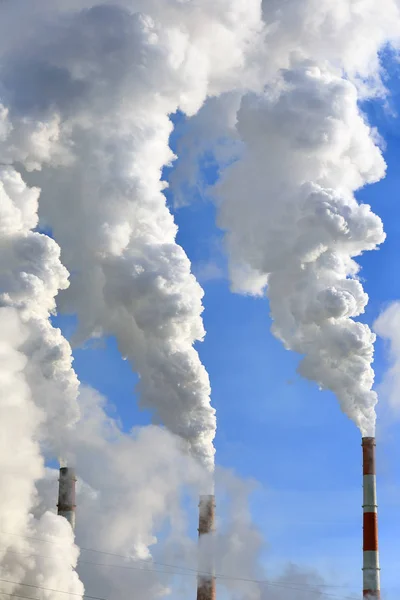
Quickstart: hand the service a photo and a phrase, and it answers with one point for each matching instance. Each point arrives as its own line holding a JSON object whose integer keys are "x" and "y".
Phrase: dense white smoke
{"x": 307, "y": 149}
{"x": 30, "y": 276}
{"x": 86, "y": 97}
{"x": 102, "y": 82}
{"x": 301, "y": 148}
{"x": 130, "y": 487}
{"x": 133, "y": 528}
{"x": 37, "y": 393}
{"x": 85, "y": 105}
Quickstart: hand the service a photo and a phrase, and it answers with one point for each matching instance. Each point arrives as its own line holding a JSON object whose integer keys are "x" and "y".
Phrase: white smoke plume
{"x": 87, "y": 92}
{"x": 38, "y": 385}
{"x": 130, "y": 487}
{"x": 301, "y": 225}
{"x": 99, "y": 84}
{"x": 30, "y": 274}
{"x": 301, "y": 148}
{"x": 137, "y": 497}
{"x": 85, "y": 105}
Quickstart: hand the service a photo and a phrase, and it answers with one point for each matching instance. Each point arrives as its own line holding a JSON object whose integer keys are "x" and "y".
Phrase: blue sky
{"x": 273, "y": 426}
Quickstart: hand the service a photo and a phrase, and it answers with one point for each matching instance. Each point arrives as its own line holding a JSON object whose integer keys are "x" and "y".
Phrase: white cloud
{"x": 208, "y": 271}
{"x": 387, "y": 326}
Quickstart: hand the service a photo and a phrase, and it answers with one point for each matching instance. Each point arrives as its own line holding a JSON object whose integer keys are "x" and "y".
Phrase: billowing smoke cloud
{"x": 130, "y": 487}
{"x": 86, "y": 104}
{"x": 301, "y": 148}
{"x": 38, "y": 392}
{"x": 99, "y": 85}
{"x": 38, "y": 384}
{"x": 30, "y": 276}
{"x": 307, "y": 149}
{"x": 137, "y": 512}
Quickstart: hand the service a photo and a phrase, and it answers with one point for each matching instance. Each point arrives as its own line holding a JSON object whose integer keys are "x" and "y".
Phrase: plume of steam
{"x": 20, "y": 419}
{"x": 144, "y": 470}
{"x": 21, "y": 465}
{"x": 130, "y": 493}
{"x": 31, "y": 275}
{"x": 101, "y": 83}
{"x": 130, "y": 488}
{"x": 301, "y": 225}
{"x": 98, "y": 85}
{"x": 38, "y": 384}
{"x": 300, "y": 150}
{"x": 85, "y": 113}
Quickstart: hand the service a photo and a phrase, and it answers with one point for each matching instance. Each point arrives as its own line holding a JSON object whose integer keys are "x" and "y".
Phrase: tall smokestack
{"x": 66, "y": 495}
{"x": 371, "y": 579}
{"x": 206, "y": 583}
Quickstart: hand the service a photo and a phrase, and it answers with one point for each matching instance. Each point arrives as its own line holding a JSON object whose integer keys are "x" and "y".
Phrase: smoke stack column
{"x": 66, "y": 495}
{"x": 371, "y": 579}
{"x": 206, "y": 581}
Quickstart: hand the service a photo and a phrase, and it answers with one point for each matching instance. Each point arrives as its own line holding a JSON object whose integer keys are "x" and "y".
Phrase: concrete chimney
{"x": 206, "y": 579}
{"x": 371, "y": 579}
{"x": 66, "y": 495}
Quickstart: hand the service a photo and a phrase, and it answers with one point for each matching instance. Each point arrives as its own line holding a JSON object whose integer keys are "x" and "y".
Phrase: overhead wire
{"x": 40, "y": 587}
{"x": 172, "y": 566}
{"x": 17, "y": 596}
{"x": 100, "y": 598}
{"x": 287, "y": 586}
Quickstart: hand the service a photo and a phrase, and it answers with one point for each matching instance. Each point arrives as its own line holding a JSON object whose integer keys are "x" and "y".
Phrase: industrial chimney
{"x": 371, "y": 580}
{"x": 66, "y": 495}
{"x": 206, "y": 578}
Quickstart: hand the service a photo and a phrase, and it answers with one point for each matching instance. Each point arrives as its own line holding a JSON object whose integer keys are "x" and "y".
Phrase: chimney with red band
{"x": 371, "y": 579}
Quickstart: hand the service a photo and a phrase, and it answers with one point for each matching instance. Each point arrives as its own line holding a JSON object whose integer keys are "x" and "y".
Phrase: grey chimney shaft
{"x": 66, "y": 495}
{"x": 206, "y": 579}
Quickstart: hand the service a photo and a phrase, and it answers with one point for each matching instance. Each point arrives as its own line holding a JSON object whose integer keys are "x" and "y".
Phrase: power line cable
{"x": 217, "y": 577}
{"x": 196, "y": 572}
{"x": 172, "y": 566}
{"x": 40, "y": 587}
{"x": 17, "y": 596}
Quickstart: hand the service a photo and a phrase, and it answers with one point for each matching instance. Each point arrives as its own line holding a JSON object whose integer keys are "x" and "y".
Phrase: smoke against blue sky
{"x": 271, "y": 150}
{"x": 273, "y": 426}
